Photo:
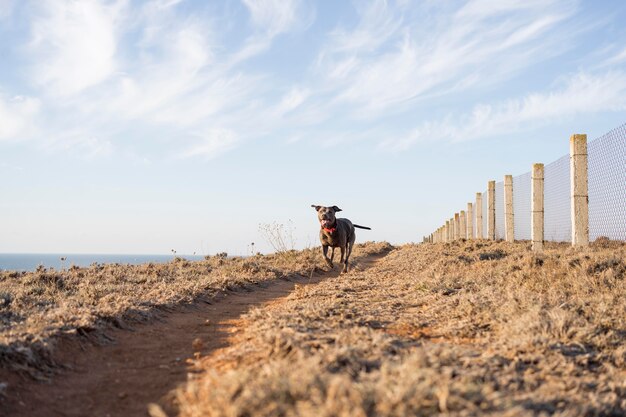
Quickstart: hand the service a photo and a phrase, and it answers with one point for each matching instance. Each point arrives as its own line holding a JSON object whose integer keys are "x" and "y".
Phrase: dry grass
{"x": 470, "y": 328}
{"x": 38, "y": 307}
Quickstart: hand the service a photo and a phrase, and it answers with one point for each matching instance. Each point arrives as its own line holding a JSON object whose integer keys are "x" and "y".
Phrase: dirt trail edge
{"x": 143, "y": 365}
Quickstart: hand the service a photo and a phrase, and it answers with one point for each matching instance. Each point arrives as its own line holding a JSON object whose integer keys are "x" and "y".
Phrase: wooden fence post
{"x": 463, "y": 225}
{"x": 536, "y": 214}
{"x": 451, "y": 228}
{"x": 579, "y": 190}
{"x": 491, "y": 210}
{"x": 447, "y": 235}
{"x": 479, "y": 215}
{"x": 470, "y": 221}
{"x": 457, "y": 226}
{"x": 509, "y": 228}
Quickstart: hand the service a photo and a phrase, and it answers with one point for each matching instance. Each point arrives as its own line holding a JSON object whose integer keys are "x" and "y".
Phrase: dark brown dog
{"x": 336, "y": 233}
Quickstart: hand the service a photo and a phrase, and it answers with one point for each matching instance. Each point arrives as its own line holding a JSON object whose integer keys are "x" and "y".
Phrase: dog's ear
{"x": 336, "y": 209}
{"x": 317, "y": 208}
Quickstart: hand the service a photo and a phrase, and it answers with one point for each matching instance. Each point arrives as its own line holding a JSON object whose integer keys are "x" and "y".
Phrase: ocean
{"x": 30, "y": 261}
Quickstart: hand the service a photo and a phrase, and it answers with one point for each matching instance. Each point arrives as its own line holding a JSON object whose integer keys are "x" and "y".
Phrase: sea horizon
{"x": 31, "y": 261}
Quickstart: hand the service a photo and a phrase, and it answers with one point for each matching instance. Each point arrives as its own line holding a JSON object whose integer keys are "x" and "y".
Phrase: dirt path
{"x": 145, "y": 364}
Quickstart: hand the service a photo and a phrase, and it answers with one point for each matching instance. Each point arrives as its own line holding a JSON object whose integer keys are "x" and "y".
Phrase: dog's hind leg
{"x": 348, "y": 253}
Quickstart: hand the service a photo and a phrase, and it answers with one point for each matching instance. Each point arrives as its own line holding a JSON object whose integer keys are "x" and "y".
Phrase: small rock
{"x": 155, "y": 410}
{"x": 197, "y": 344}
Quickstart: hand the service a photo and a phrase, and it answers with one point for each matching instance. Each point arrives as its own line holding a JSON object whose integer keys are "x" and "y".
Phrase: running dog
{"x": 336, "y": 233}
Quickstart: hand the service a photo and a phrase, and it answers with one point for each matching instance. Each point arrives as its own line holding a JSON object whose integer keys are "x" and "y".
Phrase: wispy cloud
{"x": 387, "y": 60}
{"x": 212, "y": 143}
{"x": 107, "y": 70}
{"x": 617, "y": 58}
{"x": 75, "y": 44}
{"x": 271, "y": 18}
{"x": 17, "y": 116}
{"x": 581, "y": 94}
{"x": 274, "y": 16}
{"x": 168, "y": 77}
{"x": 78, "y": 142}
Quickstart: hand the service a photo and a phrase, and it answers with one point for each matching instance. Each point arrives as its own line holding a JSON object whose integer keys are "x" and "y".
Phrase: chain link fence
{"x": 606, "y": 159}
{"x": 485, "y": 213}
{"x": 521, "y": 206}
{"x": 500, "y": 210}
{"x": 557, "y": 201}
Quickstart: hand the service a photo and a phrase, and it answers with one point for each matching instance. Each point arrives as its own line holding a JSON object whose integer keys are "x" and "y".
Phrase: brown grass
{"x": 36, "y": 308}
{"x": 469, "y": 328}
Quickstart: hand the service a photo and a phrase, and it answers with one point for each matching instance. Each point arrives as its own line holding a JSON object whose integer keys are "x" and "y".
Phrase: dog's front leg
{"x": 326, "y": 258}
{"x": 343, "y": 253}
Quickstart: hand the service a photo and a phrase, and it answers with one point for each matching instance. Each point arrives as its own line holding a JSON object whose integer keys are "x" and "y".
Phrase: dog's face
{"x": 326, "y": 215}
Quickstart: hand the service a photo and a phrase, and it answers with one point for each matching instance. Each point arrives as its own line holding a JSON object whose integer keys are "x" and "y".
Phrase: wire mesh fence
{"x": 556, "y": 201}
{"x": 607, "y": 185}
{"x": 521, "y": 206}
{"x": 606, "y": 163}
{"x": 485, "y": 213}
{"x": 500, "y": 210}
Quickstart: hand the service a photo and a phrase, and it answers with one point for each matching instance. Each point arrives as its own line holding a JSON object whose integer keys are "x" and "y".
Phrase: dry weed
{"x": 469, "y": 328}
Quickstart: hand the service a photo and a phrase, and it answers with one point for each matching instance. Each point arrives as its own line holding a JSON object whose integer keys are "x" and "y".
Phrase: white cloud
{"x": 271, "y": 18}
{"x": 171, "y": 66}
{"x": 214, "y": 142}
{"x": 616, "y": 59}
{"x": 17, "y": 116}
{"x": 582, "y": 94}
{"x": 78, "y": 142}
{"x": 389, "y": 58}
{"x": 74, "y": 44}
{"x": 274, "y": 16}
{"x": 113, "y": 69}
{"x": 292, "y": 100}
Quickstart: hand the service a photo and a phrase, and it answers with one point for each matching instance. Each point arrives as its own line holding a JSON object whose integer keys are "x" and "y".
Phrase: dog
{"x": 336, "y": 233}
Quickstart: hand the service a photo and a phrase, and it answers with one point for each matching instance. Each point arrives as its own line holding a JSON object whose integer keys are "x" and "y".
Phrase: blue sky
{"x": 138, "y": 127}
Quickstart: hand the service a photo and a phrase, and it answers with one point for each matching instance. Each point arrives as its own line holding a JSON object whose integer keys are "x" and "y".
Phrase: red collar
{"x": 331, "y": 229}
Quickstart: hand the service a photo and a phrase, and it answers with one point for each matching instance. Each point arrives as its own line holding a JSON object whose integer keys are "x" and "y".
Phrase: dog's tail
{"x": 362, "y": 227}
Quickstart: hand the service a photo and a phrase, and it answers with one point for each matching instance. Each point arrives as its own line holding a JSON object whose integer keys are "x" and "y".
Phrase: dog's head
{"x": 326, "y": 215}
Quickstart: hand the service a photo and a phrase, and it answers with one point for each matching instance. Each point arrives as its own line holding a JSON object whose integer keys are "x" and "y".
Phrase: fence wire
{"x": 521, "y": 206}
{"x": 485, "y": 214}
{"x": 556, "y": 201}
{"x": 607, "y": 195}
{"x": 500, "y": 210}
{"x": 607, "y": 185}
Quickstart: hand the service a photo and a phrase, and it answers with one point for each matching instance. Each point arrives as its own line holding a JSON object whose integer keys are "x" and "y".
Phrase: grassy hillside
{"x": 36, "y": 308}
{"x": 468, "y": 328}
